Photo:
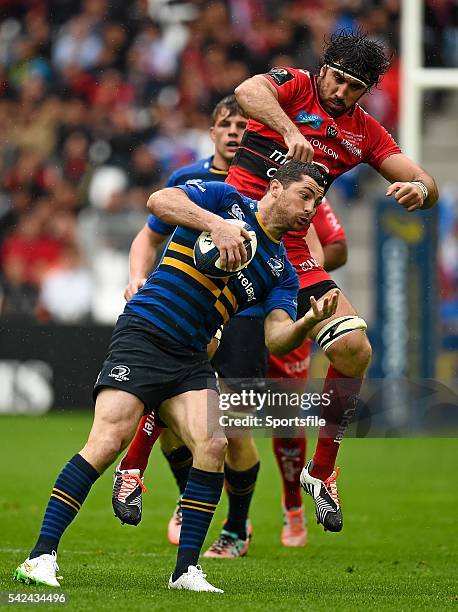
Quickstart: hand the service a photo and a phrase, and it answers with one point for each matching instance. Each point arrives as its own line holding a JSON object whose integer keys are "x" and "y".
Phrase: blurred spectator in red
{"x": 111, "y": 90}
{"x": 28, "y": 173}
{"x": 30, "y": 247}
{"x": 75, "y": 162}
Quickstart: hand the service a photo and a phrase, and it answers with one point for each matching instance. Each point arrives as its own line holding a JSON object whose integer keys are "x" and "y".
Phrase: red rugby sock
{"x": 290, "y": 456}
{"x": 141, "y": 446}
{"x": 343, "y": 391}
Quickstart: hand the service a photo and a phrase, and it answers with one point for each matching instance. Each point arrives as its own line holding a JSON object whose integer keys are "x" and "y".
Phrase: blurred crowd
{"x": 101, "y": 99}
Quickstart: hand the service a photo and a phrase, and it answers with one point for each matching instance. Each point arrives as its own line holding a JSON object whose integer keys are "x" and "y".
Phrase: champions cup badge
{"x": 276, "y": 266}
{"x": 119, "y": 373}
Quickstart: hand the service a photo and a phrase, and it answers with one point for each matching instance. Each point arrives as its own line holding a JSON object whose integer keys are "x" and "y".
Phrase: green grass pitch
{"x": 398, "y": 549}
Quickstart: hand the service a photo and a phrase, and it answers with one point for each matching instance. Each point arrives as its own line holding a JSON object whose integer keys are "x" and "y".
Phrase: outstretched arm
{"x": 259, "y": 99}
{"x": 402, "y": 172}
{"x": 284, "y": 335}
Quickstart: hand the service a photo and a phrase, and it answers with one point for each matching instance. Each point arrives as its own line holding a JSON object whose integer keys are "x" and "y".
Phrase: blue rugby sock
{"x": 71, "y": 489}
{"x": 198, "y": 505}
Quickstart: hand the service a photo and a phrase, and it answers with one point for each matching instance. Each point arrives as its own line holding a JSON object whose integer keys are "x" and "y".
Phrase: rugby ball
{"x": 206, "y": 254}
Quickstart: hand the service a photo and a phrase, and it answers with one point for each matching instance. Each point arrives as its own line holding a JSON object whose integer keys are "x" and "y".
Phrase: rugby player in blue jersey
{"x": 157, "y": 360}
{"x": 234, "y": 359}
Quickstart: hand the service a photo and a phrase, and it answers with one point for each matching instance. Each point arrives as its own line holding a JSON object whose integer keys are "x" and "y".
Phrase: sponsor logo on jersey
{"x": 276, "y": 266}
{"x": 197, "y": 183}
{"x": 351, "y": 136}
{"x": 317, "y": 144}
{"x": 309, "y": 264}
{"x": 314, "y": 121}
{"x": 331, "y": 218}
{"x": 351, "y": 147}
{"x": 278, "y": 156}
{"x": 280, "y": 76}
{"x": 331, "y": 131}
{"x": 247, "y": 285}
{"x": 296, "y": 367}
{"x": 120, "y": 373}
{"x": 237, "y": 212}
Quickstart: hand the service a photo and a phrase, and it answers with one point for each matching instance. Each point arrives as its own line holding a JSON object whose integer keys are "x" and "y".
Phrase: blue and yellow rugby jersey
{"x": 202, "y": 170}
{"x": 188, "y": 305}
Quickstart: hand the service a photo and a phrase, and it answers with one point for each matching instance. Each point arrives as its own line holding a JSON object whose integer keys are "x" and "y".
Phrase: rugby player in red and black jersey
{"x": 298, "y": 115}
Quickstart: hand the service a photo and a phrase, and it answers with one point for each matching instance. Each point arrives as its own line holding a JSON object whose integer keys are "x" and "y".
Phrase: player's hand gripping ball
{"x": 206, "y": 254}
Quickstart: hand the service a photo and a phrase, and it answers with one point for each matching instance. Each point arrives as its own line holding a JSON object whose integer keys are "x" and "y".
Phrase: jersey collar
{"x": 216, "y": 170}
{"x": 263, "y": 227}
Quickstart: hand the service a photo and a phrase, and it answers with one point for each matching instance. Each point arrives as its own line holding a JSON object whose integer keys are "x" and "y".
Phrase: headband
{"x": 349, "y": 73}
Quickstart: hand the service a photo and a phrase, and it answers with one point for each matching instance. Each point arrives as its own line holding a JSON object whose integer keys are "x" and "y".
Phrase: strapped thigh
{"x": 337, "y": 328}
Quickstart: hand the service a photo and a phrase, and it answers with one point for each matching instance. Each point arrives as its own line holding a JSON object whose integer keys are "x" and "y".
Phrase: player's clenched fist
{"x": 408, "y": 195}
{"x": 134, "y": 285}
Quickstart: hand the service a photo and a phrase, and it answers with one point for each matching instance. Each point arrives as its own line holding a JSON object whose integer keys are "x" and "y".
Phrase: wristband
{"x": 423, "y": 188}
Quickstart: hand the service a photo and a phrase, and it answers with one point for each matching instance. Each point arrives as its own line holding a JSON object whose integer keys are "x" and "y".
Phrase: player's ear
{"x": 211, "y": 131}
{"x": 275, "y": 187}
{"x": 322, "y": 71}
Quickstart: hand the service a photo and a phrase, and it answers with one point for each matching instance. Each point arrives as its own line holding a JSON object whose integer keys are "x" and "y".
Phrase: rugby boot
{"x": 229, "y": 545}
{"x": 127, "y": 493}
{"x": 193, "y": 580}
{"x": 325, "y": 496}
{"x": 294, "y": 533}
{"x": 41, "y": 570}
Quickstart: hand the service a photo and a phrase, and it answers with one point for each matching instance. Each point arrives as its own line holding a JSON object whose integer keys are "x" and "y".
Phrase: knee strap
{"x": 337, "y": 328}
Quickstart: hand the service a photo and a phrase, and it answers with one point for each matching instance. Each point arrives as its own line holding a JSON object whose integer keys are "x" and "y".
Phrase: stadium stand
{"x": 100, "y": 101}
